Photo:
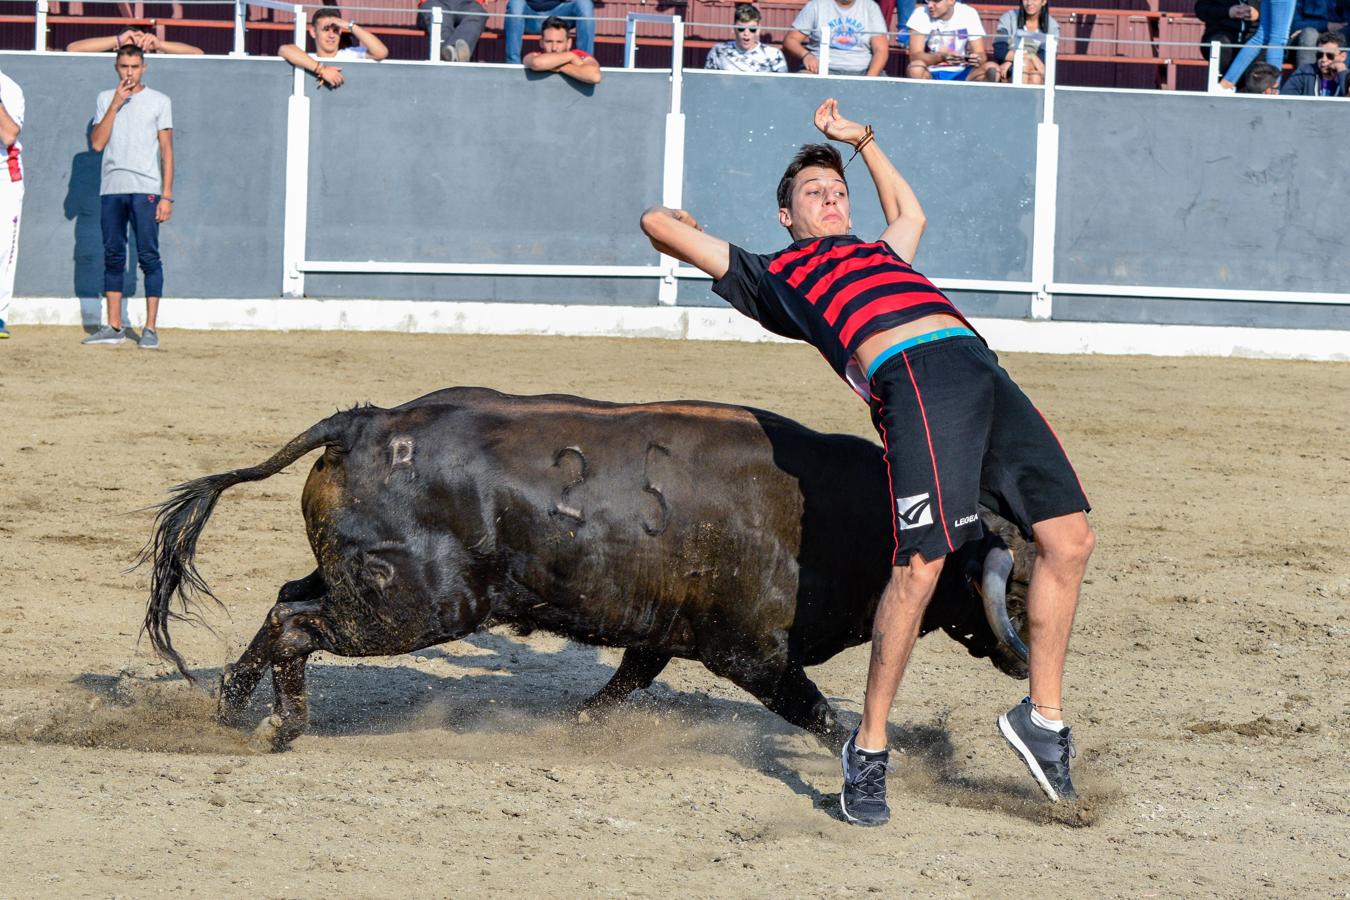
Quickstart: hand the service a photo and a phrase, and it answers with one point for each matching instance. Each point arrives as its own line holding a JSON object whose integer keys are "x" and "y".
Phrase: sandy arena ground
{"x": 1207, "y": 679}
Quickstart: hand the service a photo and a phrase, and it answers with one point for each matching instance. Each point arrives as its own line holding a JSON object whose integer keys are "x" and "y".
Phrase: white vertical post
{"x": 239, "y": 13}
{"x": 296, "y": 212}
{"x": 823, "y": 57}
{"x": 672, "y": 168}
{"x": 437, "y": 18}
{"x": 40, "y": 27}
{"x": 629, "y": 42}
{"x": 298, "y": 76}
{"x": 1047, "y": 193}
{"x": 1214, "y": 49}
{"x": 1019, "y": 62}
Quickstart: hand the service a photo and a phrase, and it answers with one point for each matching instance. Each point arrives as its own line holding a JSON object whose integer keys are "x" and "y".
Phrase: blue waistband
{"x": 940, "y": 335}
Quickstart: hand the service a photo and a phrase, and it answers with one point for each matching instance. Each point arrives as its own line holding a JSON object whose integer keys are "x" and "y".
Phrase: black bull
{"x": 724, "y": 534}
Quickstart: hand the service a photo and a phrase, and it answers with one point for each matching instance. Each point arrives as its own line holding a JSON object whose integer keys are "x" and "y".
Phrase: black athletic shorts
{"x": 959, "y": 432}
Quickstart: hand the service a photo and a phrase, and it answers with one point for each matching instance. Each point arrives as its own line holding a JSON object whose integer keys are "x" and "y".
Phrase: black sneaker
{"x": 1045, "y": 751}
{"x": 863, "y": 797}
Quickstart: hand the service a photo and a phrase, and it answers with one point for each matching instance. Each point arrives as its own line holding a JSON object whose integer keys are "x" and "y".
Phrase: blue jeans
{"x": 139, "y": 210}
{"x": 1271, "y": 28}
{"x": 582, "y": 10}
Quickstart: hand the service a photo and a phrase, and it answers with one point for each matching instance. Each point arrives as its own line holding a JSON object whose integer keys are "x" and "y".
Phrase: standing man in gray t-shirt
{"x": 133, "y": 126}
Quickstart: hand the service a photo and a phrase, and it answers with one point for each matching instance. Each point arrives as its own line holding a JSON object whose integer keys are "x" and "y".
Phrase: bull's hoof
{"x": 230, "y": 701}
{"x": 272, "y": 735}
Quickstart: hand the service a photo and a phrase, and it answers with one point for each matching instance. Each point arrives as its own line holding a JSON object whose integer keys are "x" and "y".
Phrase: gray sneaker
{"x": 462, "y": 50}
{"x": 149, "y": 339}
{"x": 449, "y": 53}
{"x": 1045, "y": 751}
{"x": 106, "y": 335}
{"x": 862, "y": 800}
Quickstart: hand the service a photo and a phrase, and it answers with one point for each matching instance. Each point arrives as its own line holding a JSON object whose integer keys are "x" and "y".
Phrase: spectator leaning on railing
{"x": 746, "y": 53}
{"x": 858, "y": 44}
{"x": 556, "y": 54}
{"x": 946, "y": 41}
{"x": 1228, "y": 23}
{"x": 1026, "y": 26}
{"x": 1312, "y": 18}
{"x": 460, "y": 27}
{"x": 11, "y": 190}
{"x": 326, "y": 28}
{"x": 1324, "y": 78}
{"x": 583, "y": 11}
{"x": 132, "y": 35}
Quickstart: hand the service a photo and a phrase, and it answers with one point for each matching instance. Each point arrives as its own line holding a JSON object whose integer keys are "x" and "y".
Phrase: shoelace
{"x": 1067, "y": 750}
{"x": 870, "y": 779}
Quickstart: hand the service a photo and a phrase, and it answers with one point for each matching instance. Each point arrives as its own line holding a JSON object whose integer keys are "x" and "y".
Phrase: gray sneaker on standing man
{"x": 133, "y": 127}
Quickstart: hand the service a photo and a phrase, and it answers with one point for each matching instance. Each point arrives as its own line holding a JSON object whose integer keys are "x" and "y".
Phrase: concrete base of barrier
{"x": 675, "y": 323}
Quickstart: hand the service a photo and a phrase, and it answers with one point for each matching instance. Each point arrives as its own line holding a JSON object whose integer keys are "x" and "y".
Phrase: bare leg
{"x": 894, "y": 632}
{"x": 115, "y": 309}
{"x": 151, "y": 311}
{"x": 1063, "y": 545}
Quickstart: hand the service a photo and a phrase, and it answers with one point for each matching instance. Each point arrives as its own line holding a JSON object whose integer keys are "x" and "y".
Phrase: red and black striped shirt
{"x": 832, "y": 292}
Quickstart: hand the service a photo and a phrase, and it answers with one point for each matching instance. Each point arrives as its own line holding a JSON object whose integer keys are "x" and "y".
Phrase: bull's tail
{"x": 172, "y": 547}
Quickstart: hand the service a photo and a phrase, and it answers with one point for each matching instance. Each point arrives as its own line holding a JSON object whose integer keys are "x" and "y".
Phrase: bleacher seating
{"x": 1166, "y": 54}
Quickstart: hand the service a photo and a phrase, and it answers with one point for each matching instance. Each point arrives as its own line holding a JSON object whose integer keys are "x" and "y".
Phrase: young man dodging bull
{"x": 956, "y": 429}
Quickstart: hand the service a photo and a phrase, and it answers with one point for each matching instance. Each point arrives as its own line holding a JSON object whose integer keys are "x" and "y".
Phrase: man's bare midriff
{"x": 881, "y": 341}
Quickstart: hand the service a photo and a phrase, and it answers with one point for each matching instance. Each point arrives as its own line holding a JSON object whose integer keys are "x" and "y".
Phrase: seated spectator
{"x": 745, "y": 53}
{"x": 1228, "y": 23}
{"x": 1324, "y": 78}
{"x": 326, "y": 28}
{"x": 1262, "y": 78}
{"x": 583, "y": 11}
{"x": 858, "y": 44}
{"x": 556, "y": 54}
{"x": 1271, "y": 34}
{"x": 460, "y": 29}
{"x": 946, "y": 41}
{"x": 1026, "y": 26}
{"x": 1311, "y": 19}
{"x": 132, "y": 35}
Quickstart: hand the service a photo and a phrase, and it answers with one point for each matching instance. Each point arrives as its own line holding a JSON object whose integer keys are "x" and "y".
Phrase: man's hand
{"x": 836, "y": 127}
{"x": 330, "y": 77}
{"x": 128, "y": 37}
{"x": 123, "y": 93}
{"x": 148, "y": 42}
{"x": 683, "y": 215}
{"x": 163, "y": 209}
{"x": 811, "y": 63}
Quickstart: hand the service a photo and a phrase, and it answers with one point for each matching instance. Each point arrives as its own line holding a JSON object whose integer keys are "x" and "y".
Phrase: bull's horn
{"x": 998, "y": 565}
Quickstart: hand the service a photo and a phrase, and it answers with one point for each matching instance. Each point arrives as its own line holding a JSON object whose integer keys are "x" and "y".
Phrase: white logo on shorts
{"x": 915, "y": 511}
{"x": 965, "y": 520}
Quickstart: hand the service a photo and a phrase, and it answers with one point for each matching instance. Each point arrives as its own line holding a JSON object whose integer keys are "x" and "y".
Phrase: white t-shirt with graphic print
{"x": 949, "y": 35}
{"x": 851, "y": 31}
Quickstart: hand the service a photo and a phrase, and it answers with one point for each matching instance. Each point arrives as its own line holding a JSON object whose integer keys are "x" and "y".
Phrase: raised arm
{"x": 905, "y": 221}
{"x": 375, "y": 48}
{"x": 676, "y": 233}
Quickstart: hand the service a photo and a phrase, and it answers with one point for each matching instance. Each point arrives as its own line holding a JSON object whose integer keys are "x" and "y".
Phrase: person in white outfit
{"x": 11, "y": 191}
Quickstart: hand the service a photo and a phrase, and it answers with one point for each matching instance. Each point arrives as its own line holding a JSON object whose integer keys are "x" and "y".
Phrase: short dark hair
{"x": 822, "y": 155}
{"x": 130, "y": 50}
{"x": 747, "y": 12}
{"x": 325, "y": 12}
{"x": 1261, "y": 78}
{"x": 553, "y": 22}
{"x": 1331, "y": 37}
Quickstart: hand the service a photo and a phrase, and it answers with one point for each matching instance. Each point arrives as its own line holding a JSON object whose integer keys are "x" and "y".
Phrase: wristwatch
{"x": 351, "y": 26}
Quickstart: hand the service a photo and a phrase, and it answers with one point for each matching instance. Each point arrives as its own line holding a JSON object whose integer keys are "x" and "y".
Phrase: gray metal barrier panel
{"x": 224, "y": 239}
{"x": 968, "y": 151}
{"x": 483, "y": 164}
{"x": 1194, "y": 190}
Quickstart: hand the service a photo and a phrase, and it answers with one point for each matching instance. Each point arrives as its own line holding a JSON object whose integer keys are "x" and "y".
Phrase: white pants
{"x": 11, "y": 208}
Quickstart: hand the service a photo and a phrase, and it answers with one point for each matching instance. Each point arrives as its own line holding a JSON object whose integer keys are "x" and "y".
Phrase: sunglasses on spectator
{"x": 750, "y": 28}
{"x": 1328, "y": 54}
